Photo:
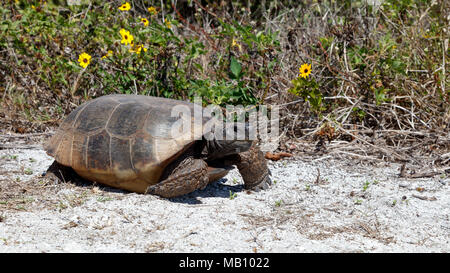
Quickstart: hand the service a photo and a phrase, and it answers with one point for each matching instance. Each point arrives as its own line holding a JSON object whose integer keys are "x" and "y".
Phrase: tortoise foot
{"x": 263, "y": 185}
{"x": 253, "y": 169}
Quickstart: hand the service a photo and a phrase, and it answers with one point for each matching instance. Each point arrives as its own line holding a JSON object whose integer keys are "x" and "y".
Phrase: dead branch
{"x": 424, "y": 197}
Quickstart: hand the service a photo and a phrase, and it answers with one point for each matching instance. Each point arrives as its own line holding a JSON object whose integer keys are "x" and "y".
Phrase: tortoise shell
{"x": 123, "y": 141}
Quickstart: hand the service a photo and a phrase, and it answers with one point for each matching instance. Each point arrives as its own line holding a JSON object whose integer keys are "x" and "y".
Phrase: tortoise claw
{"x": 263, "y": 185}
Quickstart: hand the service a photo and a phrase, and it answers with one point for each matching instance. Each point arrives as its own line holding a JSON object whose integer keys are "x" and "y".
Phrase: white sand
{"x": 354, "y": 208}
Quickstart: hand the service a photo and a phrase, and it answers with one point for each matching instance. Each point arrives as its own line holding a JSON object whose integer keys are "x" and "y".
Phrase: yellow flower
{"x": 168, "y": 23}
{"x": 84, "y": 59}
{"x": 234, "y": 43}
{"x": 305, "y": 70}
{"x": 109, "y": 53}
{"x": 144, "y": 21}
{"x": 137, "y": 49}
{"x": 125, "y": 6}
{"x": 127, "y": 38}
{"x": 152, "y": 10}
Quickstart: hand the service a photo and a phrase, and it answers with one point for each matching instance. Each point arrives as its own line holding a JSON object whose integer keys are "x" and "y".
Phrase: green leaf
{"x": 235, "y": 68}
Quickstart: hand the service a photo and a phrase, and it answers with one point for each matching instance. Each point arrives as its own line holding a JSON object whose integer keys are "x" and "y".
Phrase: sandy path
{"x": 353, "y": 208}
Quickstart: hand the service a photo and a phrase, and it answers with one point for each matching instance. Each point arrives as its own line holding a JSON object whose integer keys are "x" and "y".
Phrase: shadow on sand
{"x": 65, "y": 174}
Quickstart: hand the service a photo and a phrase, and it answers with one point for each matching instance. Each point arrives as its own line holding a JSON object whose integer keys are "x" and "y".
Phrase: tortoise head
{"x": 245, "y": 155}
{"x": 220, "y": 148}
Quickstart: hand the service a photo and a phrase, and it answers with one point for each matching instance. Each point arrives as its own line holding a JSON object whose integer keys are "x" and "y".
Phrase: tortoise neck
{"x": 220, "y": 148}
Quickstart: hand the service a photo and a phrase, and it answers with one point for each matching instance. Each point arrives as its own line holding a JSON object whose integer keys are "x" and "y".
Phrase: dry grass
{"x": 19, "y": 192}
{"x": 305, "y": 223}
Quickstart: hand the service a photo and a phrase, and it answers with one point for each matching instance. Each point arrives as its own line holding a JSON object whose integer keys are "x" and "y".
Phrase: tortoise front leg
{"x": 253, "y": 168}
{"x": 191, "y": 174}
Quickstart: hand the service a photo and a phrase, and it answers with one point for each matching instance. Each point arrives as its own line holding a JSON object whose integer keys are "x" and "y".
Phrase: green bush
{"x": 373, "y": 66}
{"x": 50, "y": 38}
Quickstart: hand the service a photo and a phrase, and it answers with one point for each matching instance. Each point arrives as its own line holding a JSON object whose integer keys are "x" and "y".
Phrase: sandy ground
{"x": 352, "y": 207}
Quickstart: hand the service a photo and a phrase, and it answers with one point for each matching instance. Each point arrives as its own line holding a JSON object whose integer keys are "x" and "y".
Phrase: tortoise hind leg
{"x": 63, "y": 174}
{"x": 217, "y": 173}
{"x": 191, "y": 174}
{"x": 60, "y": 173}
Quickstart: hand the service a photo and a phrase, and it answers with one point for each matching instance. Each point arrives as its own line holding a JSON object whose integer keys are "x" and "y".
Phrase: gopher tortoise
{"x": 125, "y": 141}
